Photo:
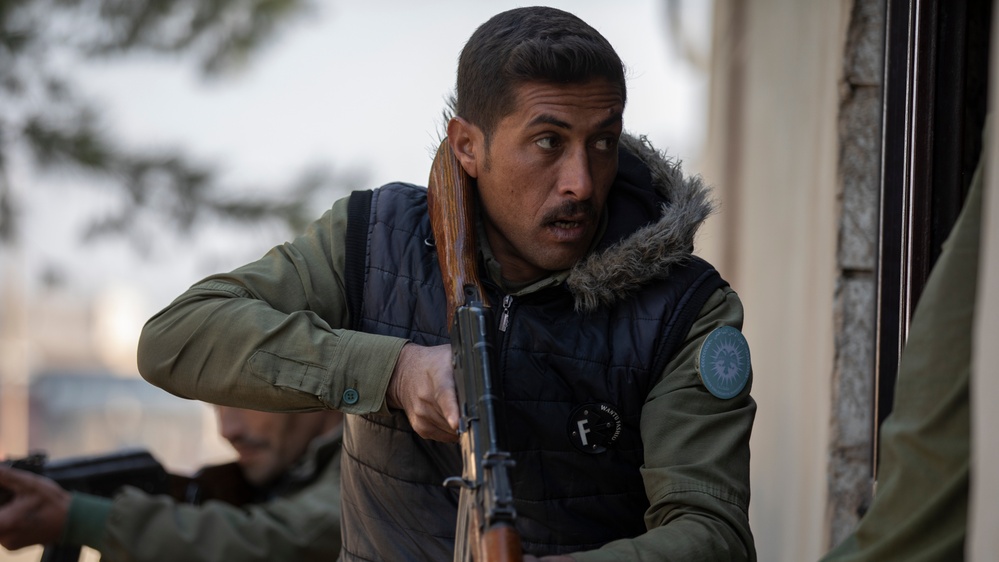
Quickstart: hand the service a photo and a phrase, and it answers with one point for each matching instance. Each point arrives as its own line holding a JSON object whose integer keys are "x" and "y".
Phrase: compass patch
{"x": 723, "y": 362}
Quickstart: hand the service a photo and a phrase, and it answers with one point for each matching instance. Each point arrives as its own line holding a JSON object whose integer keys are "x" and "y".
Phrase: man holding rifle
{"x": 619, "y": 375}
{"x": 288, "y": 506}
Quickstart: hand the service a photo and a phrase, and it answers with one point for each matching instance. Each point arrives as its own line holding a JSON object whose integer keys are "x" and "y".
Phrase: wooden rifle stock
{"x": 501, "y": 542}
{"x": 451, "y": 201}
{"x": 485, "y": 531}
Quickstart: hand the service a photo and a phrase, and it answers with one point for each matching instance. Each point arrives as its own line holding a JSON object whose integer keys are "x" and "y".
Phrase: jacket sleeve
{"x": 301, "y": 526}
{"x": 271, "y": 334}
{"x": 696, "y": 469}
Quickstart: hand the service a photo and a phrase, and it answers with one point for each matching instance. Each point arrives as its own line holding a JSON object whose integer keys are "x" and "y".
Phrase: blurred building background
{"x": 788, "y": 108}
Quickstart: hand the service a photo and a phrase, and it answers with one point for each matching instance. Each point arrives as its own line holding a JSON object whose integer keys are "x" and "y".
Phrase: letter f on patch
{"x": 583, "y": 431}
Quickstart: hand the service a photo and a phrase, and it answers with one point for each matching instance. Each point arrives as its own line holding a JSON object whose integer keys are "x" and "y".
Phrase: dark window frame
{"x": 936, "y": 76}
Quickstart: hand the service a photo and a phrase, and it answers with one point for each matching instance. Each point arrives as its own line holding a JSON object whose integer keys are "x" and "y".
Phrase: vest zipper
{"x": 505, "y": 316}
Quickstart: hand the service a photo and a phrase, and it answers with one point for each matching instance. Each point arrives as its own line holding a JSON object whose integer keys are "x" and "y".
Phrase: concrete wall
{"x": 855, "y": 305}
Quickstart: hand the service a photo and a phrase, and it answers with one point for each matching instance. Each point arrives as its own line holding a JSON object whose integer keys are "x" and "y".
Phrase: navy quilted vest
{"x": 551, "y": 362}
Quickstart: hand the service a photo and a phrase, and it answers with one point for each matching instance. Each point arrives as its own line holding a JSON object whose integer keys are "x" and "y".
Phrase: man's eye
{"x": 547, "y": 143}
{"x": 604, "y": 144}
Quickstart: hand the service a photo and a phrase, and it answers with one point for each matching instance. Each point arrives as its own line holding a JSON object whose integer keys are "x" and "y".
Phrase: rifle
{"x": 98, "y": 475}
{"x": 103, "y": 475}
{"x": 485, "y": 530}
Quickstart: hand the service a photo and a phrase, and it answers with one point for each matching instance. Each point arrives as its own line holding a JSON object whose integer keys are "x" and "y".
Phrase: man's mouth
{"x": 248, "y": 447}
{"x": 571, "y": 215}
{"x": 567, "y": 224}
{"x": 572, "y": 220}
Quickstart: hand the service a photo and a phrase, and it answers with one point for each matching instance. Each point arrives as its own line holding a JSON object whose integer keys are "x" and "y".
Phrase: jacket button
{"x": 350, "y": 396}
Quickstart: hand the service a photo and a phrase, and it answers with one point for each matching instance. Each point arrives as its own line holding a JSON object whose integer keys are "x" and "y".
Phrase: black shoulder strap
{"x": 356, "y": 251}
{"x": 689, "y": 307}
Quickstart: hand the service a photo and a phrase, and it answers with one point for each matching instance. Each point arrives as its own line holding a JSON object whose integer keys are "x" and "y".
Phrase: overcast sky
{"x": 357, "y": 85}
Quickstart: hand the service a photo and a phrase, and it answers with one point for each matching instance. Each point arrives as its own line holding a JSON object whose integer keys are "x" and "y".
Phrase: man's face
{"x": 268, "y": 443}
{"x": 546, "y": 174}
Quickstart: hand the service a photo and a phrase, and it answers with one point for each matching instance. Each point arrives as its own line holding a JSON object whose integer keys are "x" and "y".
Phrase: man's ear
{"x": 468, "y": 143}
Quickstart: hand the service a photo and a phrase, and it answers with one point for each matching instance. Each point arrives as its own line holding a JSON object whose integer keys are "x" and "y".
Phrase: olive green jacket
{"x": 301, "y": 524}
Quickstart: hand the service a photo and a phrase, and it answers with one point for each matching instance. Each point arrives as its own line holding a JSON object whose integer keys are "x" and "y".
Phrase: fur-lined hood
{"x": 648, "y": 253}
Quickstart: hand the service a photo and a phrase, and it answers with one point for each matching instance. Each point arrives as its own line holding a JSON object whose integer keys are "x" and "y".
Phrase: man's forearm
{"x": 201, "y": 347}
{"x": 215, "y": 346}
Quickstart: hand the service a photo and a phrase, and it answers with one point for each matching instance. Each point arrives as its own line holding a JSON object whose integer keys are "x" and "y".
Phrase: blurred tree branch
{"x": 43, "y": 120}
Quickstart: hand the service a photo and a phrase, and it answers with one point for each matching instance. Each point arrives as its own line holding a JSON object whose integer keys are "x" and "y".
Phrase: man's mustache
{"x": 572, "y": 209}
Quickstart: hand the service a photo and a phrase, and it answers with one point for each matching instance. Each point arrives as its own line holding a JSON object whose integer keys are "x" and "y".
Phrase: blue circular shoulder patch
{"x": 723, "y": 362}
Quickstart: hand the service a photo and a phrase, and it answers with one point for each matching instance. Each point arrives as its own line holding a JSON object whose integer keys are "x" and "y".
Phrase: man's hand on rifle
{"x": 422, "y": 385}
{"x": 35, "y": 514}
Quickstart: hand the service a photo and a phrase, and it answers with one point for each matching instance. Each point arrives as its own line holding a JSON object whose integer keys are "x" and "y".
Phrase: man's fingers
{"x": 428, "y": 423}
{"x": 445, "y": 410}
{"x": 448, "y": 404}
{"x": 436, "y": 433}
{"x": 12, "y": 513}
{"x": 447, "y": 395}
{"x": 422, "y": 385}
{"x": 13, "y": 481}
{"x": 37, "y": 511}
{"x": 11, "y": 478}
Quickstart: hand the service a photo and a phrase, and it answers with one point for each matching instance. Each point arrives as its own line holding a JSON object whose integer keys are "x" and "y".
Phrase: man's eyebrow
{"x": 547, "y": 119}
{"x": 614, "y": 119}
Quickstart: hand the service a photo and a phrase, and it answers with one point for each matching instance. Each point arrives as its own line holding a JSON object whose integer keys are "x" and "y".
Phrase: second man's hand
{"x": 422, "y": 385}
{"x": 35, "y": 514}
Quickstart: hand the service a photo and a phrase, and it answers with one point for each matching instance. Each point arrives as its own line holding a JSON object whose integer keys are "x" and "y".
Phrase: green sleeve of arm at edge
{"x": 86, "y": 520}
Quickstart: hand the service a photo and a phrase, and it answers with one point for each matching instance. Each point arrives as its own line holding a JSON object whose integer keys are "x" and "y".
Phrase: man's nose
{"x": 230, "y": 422}
{"x": 575, "y": 176}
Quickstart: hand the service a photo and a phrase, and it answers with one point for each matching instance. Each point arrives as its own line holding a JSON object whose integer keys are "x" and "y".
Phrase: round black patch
{"x": 593, "y": 427}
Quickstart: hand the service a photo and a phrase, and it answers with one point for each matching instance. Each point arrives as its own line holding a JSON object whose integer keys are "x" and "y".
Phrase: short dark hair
{"x": 536, "y": 44}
